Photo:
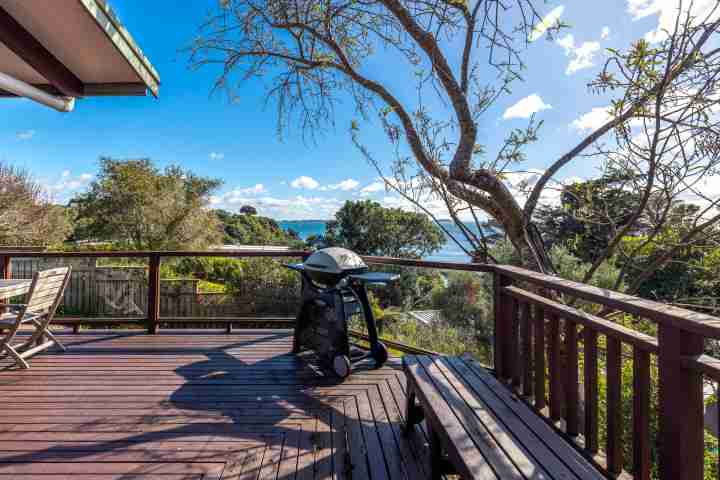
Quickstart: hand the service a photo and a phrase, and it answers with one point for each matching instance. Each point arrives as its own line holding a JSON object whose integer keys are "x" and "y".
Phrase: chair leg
{"x": 42, "y": 330}
{"x": 7, "y": 348}
{"x": 58, "y": 343}
{"x": 16, "y": 356}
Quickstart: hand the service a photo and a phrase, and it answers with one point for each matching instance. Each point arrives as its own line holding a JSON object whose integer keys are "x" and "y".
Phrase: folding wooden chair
{"x": 46, "y": 292}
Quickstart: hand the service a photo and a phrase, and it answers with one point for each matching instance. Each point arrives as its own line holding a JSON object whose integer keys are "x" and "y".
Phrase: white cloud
{"x": 345, "y": 185}
{"x": 304, "y": 182}
{"x": 216, "y": 155}
{"x": 526, "y": 107}
{"x": 61, "y": 189}
{"x": 548, "y": 21}
{"x": 298, "y": 208}
{"x": 605, "y": 33}
{"x": 668, "y": 10}
{"x": 582, "y": 56}
{"x": 26, "y": 135}
{"x": 709, "y": 187}
{"x": 238, "y": 196}
{"x": 522, "y": 183}
{"x": 594, "y": 119}
{"x": 372, "y": 188}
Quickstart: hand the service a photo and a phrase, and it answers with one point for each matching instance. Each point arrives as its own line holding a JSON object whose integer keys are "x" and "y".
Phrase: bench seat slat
{"x": 473, "y": 467}
{"x": 485, "y": 430}
{"x": 533, "y": 458}
{"x": 479, "y": 432}
{"x": 574, "y": 460}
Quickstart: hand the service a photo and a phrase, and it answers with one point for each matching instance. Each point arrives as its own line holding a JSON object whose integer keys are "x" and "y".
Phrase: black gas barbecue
{"x": 333, "y": 289}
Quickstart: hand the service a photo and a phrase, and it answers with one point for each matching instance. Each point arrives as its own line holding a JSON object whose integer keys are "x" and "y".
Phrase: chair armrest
{"x": 12, "y": 306}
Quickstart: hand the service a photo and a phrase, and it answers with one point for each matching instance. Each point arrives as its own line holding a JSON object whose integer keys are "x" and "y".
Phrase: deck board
{"x": 196, "y": 405}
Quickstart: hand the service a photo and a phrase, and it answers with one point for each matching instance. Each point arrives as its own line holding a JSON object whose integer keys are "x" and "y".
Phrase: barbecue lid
{"x": 335, "y": 260}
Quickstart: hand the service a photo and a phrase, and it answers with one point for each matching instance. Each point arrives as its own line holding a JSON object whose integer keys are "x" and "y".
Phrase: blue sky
{"x": 290, "y": 178}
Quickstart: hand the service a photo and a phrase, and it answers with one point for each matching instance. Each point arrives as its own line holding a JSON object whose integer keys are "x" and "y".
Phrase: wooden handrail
{"x": 705, "y": 364}
{"x": 606, "y": 327}
{"x": 409, "y": 262}
{"x": 150, "y": 253}
{"x": 688, "y": 320}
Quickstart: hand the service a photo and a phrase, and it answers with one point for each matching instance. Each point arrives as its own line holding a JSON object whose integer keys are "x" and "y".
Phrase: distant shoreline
{"x": 449, "y": 252}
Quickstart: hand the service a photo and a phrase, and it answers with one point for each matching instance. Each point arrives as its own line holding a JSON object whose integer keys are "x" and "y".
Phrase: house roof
{"x": 75, "y": 48}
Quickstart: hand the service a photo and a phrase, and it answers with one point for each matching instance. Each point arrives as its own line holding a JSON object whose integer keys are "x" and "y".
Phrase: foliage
{"x": 572, "y": 268}
{"x": 626, "y": 402}
{"x": 660, "y": 265}
{"x": 248, "y": 210}
{"x": 27, "y": 216}
{"x": 211, "y": 269}
{"x": 250, "y": 229}
{"x": 134, "y": 203}
{"x": 587, "y": 216}
{"x": 368, "y": 228}
{"x": 464, "y": 302}
{"x": 247, "y": 277}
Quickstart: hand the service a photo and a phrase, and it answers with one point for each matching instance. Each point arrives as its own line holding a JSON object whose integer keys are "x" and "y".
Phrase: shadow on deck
{"x": 201, "y": 405}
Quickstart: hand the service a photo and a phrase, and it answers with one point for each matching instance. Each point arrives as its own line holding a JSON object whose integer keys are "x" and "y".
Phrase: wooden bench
{"x": 478, "y": 429}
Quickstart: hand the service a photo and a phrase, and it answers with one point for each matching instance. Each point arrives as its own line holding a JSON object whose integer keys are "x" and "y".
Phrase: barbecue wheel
{"x": 341, "y": 366}
{"x": 380, "y": 354}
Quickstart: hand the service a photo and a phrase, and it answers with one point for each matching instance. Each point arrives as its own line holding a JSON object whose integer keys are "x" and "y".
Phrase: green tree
{"x": 588, "y": 215}
{"x": 368, "y": 228}
{"x": 248, "y": 210}
{"x": 250, "y": 229}
{"x": 27, "y": 216}
{"x": 135, "y": 204}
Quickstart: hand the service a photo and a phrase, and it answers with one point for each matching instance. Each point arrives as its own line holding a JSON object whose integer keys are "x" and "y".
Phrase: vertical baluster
{"x": 539, "y": 358}
{"x": 614, "y": 406}
{"x": 590, "y": 372}
{"x": 515, "y": 363}
{"x": 526, "y": 332}
{"x": 641, "y": 414}
{"x": 554, "y": 370}
{"x": 571, "y": 379}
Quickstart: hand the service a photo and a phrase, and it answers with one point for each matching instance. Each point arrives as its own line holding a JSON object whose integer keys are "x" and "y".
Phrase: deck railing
{"x": 563, "y": 361}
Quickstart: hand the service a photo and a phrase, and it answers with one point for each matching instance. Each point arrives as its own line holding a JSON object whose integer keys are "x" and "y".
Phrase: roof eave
{"x": 109, "y": 23}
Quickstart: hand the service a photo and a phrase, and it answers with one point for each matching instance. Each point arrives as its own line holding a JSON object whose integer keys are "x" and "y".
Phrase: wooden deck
{"x": 200, "y": 405}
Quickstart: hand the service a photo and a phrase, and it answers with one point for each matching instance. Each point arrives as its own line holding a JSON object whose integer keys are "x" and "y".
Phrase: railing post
{"x": 6, "y": 262}
{"x": 681, "y": 406}
{"x": 154, "y": 294}
{"x": 502, "y": 335}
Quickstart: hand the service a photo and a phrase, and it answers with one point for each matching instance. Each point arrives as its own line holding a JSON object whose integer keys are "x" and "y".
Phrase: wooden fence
{"x": 122, "y": 291}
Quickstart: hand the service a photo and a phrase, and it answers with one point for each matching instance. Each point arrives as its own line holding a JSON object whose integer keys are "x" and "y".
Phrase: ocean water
{"x": 450, "y": 251}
